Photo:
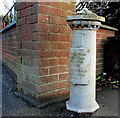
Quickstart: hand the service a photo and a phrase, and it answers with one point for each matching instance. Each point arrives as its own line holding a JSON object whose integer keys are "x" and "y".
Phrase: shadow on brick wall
{"x": 112, "y": 57}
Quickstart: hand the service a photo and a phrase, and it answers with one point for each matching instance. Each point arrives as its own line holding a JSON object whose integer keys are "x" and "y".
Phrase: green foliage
{"x": 103, "y": 80}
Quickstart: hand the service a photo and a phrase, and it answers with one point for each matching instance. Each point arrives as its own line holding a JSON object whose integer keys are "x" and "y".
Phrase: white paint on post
{"x": 82, "y": 62}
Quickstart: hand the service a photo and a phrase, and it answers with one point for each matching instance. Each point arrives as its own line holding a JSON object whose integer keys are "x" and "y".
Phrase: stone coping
{"x": 108, "y": 27}
{"x": 102, "y": 26}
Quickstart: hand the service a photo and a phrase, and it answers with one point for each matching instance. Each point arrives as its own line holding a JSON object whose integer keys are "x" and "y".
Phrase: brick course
{"x": 9, "y": 48}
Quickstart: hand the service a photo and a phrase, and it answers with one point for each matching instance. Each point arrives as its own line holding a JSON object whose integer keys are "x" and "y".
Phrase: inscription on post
{"x": 78, "y": 66}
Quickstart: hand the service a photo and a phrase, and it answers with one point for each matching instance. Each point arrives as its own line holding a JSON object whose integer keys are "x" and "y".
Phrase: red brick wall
{"x": 27, "y": 45}
{"x": 54, "y": 50}
{"x": 101, "y": 38}
{"x": 43, "y": 42}
{"x": 44, "y": 39}
{"x": 9, "y": 48}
